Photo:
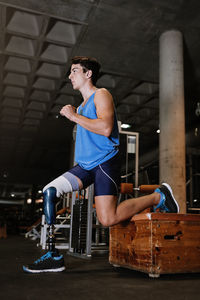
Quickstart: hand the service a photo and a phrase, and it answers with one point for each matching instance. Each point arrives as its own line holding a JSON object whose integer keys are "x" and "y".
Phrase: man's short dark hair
{"x": 88, "y": 63}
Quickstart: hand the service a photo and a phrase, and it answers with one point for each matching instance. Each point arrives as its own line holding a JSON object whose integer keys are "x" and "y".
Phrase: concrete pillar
{"x": 172, "y": 115}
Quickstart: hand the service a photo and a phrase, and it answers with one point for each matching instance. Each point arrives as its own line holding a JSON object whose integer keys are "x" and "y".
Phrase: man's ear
{"x": 89, "y": 73}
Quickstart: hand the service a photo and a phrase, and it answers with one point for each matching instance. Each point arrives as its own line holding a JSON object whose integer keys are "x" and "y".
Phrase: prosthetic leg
{"x": 52, "y": 261}
{"x": 50, "y": 214}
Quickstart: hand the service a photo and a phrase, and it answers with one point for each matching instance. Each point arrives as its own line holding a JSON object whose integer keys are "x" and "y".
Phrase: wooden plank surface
{"x": 166, "y": 216}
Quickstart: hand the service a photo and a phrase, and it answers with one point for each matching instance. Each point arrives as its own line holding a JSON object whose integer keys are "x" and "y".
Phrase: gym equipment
{"x": 87, "y": 235}
{"x": 79, "y": 225}
{"x": 3, "y": 231}
{"x": 33, "y": 231}
{"x": 157, "y": 243}
{"x": 80, "y": 237}
{"x": 127, "y": 188}
{"x": 132, "y": 152}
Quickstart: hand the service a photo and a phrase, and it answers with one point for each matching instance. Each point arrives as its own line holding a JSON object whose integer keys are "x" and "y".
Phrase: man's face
{"x": 77, "y": 76}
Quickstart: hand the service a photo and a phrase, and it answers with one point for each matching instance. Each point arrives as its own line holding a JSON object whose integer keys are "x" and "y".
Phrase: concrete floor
{"x": 83, "y": 279}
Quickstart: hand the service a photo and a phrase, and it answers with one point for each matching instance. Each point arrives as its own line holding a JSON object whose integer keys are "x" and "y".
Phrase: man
{"x": 97, "y": 158}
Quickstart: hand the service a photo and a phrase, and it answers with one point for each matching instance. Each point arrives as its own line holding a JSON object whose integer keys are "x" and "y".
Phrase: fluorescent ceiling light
{"x": 125, "y": 126}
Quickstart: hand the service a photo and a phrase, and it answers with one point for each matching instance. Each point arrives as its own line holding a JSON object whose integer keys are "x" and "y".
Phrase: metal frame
{"x": 90, "y": 195}
{"x": 136, "y": 134}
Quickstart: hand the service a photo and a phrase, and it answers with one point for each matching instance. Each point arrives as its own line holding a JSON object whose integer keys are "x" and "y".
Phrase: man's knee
{"x": 107, "y": 221}
{"x": 65, "y": 183}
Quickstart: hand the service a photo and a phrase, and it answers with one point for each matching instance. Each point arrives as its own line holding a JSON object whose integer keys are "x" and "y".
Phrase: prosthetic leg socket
{"x": 49, "y": 205}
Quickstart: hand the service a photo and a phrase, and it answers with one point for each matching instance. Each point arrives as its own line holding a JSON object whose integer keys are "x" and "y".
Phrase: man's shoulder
{"x": 103, "y": 92}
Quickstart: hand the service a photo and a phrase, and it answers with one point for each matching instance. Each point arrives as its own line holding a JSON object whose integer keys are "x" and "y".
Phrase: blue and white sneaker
{"x": 167, "y": 202}
{"x": 46, "y": 263}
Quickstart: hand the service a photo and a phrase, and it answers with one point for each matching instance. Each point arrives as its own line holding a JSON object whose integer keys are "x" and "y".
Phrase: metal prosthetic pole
{"x": 51, "y": 239}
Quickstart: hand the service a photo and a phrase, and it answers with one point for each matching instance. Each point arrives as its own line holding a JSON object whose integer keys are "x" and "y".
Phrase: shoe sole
{"x": 170, "y": 190}
{"x": 43, "y": 271}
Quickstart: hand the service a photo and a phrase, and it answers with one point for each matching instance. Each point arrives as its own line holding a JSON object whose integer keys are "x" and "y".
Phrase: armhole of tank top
{"x": 93, "y": 99}
{"x": 78, "y": 108}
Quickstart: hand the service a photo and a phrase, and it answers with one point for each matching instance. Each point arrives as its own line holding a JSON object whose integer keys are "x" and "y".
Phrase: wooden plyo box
{"x": 157, "y": 243}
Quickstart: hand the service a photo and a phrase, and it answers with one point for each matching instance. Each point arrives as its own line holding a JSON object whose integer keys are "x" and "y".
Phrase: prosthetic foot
{"x": 52, "y": 261}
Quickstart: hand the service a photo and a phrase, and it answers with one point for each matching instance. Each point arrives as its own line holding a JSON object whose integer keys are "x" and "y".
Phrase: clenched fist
{"x": 68, "y": 111}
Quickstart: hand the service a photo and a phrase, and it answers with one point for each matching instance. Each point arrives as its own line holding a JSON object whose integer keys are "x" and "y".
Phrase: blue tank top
{"x": 93, "y": 149}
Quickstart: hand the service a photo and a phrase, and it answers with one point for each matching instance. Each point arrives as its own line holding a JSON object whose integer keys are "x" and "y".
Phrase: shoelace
{"x": 46, "y": 256}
